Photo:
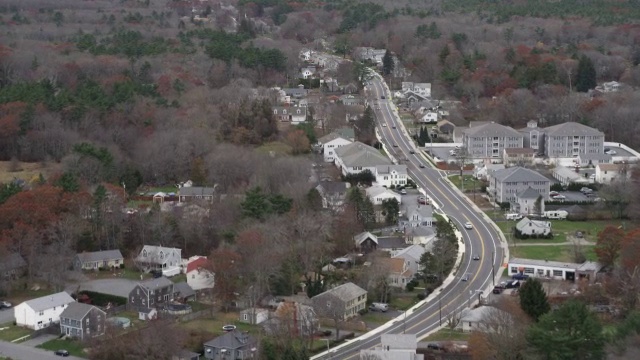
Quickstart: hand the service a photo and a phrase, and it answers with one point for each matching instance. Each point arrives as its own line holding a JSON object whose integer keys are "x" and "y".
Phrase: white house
{"x": 606, "y": 173}
{"x": 533, "y": 227}
{"x": 307, "y": 72}
{"x": 168, "y": 260}
{"x": 41, "y": 312}
{"x": 378, "y": 194}
{"x": 482, "y": 319}
{"x": 199, "y": 276}
{"x": 411, "y": 256}
{"x": 293, "y": 114}
{"x": 388, "y": 175}
{"x": 554, "y": 269}
{"x": 358, "y": 157}
{"x": 430, "y": 117}
{"x": 530, "y": 202}
{"x": 330, "y": 143}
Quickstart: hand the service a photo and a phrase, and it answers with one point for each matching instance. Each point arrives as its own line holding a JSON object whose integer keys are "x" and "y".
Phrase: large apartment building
{"x": 572, "y": 139}
{"x": 490, "y": 140}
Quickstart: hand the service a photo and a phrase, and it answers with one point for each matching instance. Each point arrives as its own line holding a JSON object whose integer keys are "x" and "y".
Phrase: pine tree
{"x": 533, "y": 299}
{"x": 387, "y": 63}
{"x": 586, "y": 75}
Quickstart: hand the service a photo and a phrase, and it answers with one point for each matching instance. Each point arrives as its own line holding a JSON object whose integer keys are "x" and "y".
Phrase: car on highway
{"x": 382, "y": 97}
{"x": 411, "y": 152}
{"x": 476, "y": 257}
{"x": 468, "y": 226}
{"x": 384, "y": 125}
{"x": 421, "y": 166}
{"x": 394, "y": 126}
{"x": 395, "y": 145}
{"x": 61, "y": 352}
{"x": 465, "y": 277}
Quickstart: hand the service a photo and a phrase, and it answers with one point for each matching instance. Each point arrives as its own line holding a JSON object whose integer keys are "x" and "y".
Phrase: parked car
{"x": 423, "y": 200}
{"x": 434, "y": 346}
{"x": 61, "y": 352}
{"x": 558, "y": 197}
{"x": 585, "y": 190}
{"x": 498, "y": 290}
{"x": 5, "y": 304}
{"x": 610, "y": 151}
{"x": 468, "y": 226}
{"x": 403, "y": 192}
{"x": 377, "y": 306}
{"x": 156, "y": 273}
{"x": 553, "y": 193}
{"x": 520, "y": 277}
{"x": 513, "y": 284}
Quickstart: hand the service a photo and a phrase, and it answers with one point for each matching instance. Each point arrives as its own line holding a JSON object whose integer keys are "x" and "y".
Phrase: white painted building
{"x": 378, "y": 194}
{"x": 42, "y": 312}
{"x": 199, "y": 277}
{"x": 330, "y": 143}
{"x": 554, "y": 269}
{"x": 606, "y": 173}
{"x": 358, "y": 157}
{"x": 530, "y": 227}
{"x": 388, "y": 175}
{"x": 394, "y": 347}
{"x": 168, "y": 260}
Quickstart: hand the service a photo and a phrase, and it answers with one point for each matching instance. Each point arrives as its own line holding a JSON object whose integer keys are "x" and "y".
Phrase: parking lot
{"x": 440, "y": 152}
{"x": 576, "y": 196}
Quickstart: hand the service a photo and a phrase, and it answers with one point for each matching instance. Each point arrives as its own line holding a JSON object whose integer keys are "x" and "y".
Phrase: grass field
{"x": 10, "y": 332}
{"x": 26, "y": 171}
{"x": 279, "y": 148}
{"x": 448, "y": 335}
{"x": 215, "y": 325}
{"x": 74, "y": 347}
{"x": 551, "y": 253}
{"x": 469, "y": 182}
{"x": 403, "y": 303}
{"x": 375, "y": 318}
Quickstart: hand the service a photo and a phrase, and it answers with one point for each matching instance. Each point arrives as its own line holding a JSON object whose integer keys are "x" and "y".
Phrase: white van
{"x": 513, "y": 216}
{"x": 376, "y": 306}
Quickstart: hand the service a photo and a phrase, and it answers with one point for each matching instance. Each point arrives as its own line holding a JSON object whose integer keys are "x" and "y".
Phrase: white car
{"x": 468, "y": 226}
{"x": 611, "y": 152}
{"x": 558, "y": 197}
{"x": 384, "y": 125}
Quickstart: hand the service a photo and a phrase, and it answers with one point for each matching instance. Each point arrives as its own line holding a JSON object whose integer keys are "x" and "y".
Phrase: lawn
{"x": 469, "y": 182}
{"x": 563, "y": 228}
{"x": 507, "y": 226}
{"x": 10, "y": 332}
{"x": 128, "y": 273}
{"x": 375, "y": 318}
{"x": 215, "y": 325}
{"x": 74, "y": 347}
{"x": 403, "y": 302}
{"x": 551, "y": 253}
{"x": 448, "y": 335}
{"x": 178, "y": 278}
{"x": 277, "y": 147}
{"x": 26, "y": 171}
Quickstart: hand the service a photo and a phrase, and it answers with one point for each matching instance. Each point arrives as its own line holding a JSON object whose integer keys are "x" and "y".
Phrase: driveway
{"x": 22, "y": 352}
{"x": 6, "y": 316}
{"x": 117, "y": 287}
{"x": 39, "y": 340}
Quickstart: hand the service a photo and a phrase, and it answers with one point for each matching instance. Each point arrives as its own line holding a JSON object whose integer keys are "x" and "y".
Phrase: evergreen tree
{"x": 390, "y": 208}
{"x": 533, "y": 299}
{"x": 68, "y": 183}
{"x": 444, "y": 53}
{"x": 571, "y": 332}
{"x": 387, "y": 63}
{"x": 586, "y": 75}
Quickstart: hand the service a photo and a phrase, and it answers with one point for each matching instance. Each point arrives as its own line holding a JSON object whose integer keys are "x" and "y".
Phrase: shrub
{"x": 121, "y": 266}
{"x": 410, "y": 286}
{"x": 363, "y": 311}
{"x": 421, "y": 296}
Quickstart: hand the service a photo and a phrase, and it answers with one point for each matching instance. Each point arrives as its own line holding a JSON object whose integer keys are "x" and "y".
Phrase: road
{"x": 24, "y": 352}
{"x": 482, "y": 240}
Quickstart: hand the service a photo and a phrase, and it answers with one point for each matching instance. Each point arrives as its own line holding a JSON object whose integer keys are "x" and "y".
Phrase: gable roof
{"x": 231, "y": 340}
{"x": 491, "y": 129}
{"x": 394, "y": 265}
{"x": 374, "y": 191}
{"x": 196, "y": 191}
{"x": 77, "y": 311}
{"x": 153, "y": 251}
{"x": 155, "y": 284}
{"x": 518, "y": 174}
{"x": 346, "y": 132}
{"x": 534, "y": 223}
{"x": 196, "y": 264}
{"x": 99, "y": 255}
{"x": 364, "y": 236}
{"x": 11, "y": 262}
{"x": 415, "y": 251}
{"x": 609, "y": 167}
{"x": 392, "y": 242}
{"x": 49, "y": 301}
{"x": 572, "y": 129}
{"x": 333, "y": 187}
{"x": 387, "y": 169}
{"x": 330, "y": 137}
{"x": 183, "y": 289}
{"x": 529, "y": 193}
{"x": 345, "y": 292}
{"x": 362, "y": 155}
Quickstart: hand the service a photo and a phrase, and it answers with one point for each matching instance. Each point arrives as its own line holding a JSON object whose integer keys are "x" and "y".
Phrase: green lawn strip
{"x": 178, "y": 278}
{"x": 373, "y": 317}
{"x": 74, "y": 347}
{"x": 551, "y": 253}
{"x": 403, "y": 302}
{"x": 215, "y": 325}
{"x": 448, "y": 335}
{"x": 276, "y": 146}
{"x": 12, "y": 332}
{"x": 469, "y": 182}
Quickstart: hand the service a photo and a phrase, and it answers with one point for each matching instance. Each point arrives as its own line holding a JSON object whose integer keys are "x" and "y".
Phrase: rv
{"x": 556, "y": 214}
{"x": 513, "y": 216}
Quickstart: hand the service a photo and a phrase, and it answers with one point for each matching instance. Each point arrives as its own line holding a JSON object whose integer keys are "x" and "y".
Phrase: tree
{"x": 364, "y": 210}
{"x": 390, "y": 210}
{"x": 629, "y": 251}
{"x": 537, "y": 206}
{"x": 255, "y": 204}
{"x": 8, "y": 190}
{"x": 387, "y": 63}
{"x": 299, "y": 141}
{"x": 571, "y": 332}
{"x": 608, "y": 245}
{"x": 68, "y": 182}
{"x": 533, "y": 299}
{"x": 226, "y": 266}
{"x": 362, "y": 73}
{"x": 586, "y": 75}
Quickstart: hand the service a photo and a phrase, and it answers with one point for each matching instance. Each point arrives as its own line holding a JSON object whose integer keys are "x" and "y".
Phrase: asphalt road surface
{"x": 24, "y": 352}
{"x": 482, "y": 240}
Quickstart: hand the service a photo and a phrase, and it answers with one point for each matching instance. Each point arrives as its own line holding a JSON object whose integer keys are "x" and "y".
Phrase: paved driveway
{"x": 117, "y": 287}
{"x": 22, "y": 352}
{"x": 6, "y": 316}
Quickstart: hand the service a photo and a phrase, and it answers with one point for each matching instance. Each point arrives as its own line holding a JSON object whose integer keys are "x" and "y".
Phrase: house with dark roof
{"x": 366, "y": 241}
{"x": 333, "y": 194}
{"x": 82, "y": 321}
{"x": 571, "y": 139}
{"x": 195, "y": 193}
{"x": 358, "y": 157}
{"x": 232, "y": 345}
{"x": 392, "y": 244}
{"x": 151, "y": 293}
{"x": 343, "y": 301}
{"x": 95, "y": 260}
{"x": 445, "y": 127}
{"x": 528, "y": 203}
{"x": 506, "y": 184}
{"x": 11, "y": 265}
{"x": 183, "y": 293}
{"x": 489, "y": 140}
{"x": 42, "y": 312}
{"x": 346, "y": 133}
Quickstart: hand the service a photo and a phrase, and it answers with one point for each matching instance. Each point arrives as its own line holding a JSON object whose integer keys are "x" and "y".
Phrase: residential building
{"x": 160, "y": 258}
{"x": 419, "y": 235}
{"x": 199, "y": 275}
{"x": 370, "y": 54}
{"x": 593, "y": 159}
{"x": 398, "y": 271}
{"x": 422, "y": 89}
{"x": 195, "y": 193}
{"x": 95, "y": 260}
{"x": 366, "y": 241}
{"x": 330, "y": 143}
{"x": 82, "y": 321}
{"x": 392, "y": 244}
{"x": 530, "y": 202}
{"x": 297, "y": 92}
{"x": 571, "y": 139}
{"x": 518, "y": 156}
{"x": 555, "y": 269}
{"x": 352, "y": 100}
{"x": 183, "y": 293}
{"x": 346, "y": 133}
{"x": 445, "y": 127}
{"x": 530, "y": 227}
{"x": 343, "y": 301}
{"x": 146, "y": 314}
{"x": 333, "y": 194}
{"x": 488, "y": 141}
{"x": 307, "y": 72}
{"x": 416, "y": 215}
{"x": 233, "y": 344}
{"x": 292, "y": 114}
{"x": 42, "y": 312}
{"x": 533, "y": 137}
{"x": 482, "y": 319}
{"x": 505, "y": 185}
{"x": 11, "y": 265}
{"x": 151, "y": 293}
{"x": 429, "y": 118}
{"x": 254, "y": 316}
{"x": 378, "y": 194}
{"x": 185, "y": 355}
{"x": 567, "y": 176}
{"x": 394, "y": 347}
{"x": 295, "y": 317}
{"x": 357, "y": 157}
{"x": 391, "y": 175}
{"x": 606, "y": 173}
{"x": 411, "y": 257}
{"x": 482, "y": 171}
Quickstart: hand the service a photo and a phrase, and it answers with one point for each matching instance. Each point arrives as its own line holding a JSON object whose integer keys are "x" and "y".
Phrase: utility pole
{"x": 440, "y": 308}
{"x": 493, "y": 267}
{"x": 404, "y": 323}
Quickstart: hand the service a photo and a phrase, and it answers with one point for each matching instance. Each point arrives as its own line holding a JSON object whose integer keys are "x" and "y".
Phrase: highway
{"x": 482, "y": 240}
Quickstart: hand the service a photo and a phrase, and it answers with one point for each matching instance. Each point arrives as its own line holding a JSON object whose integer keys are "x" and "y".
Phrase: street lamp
{"x": 328, "y": 349}
{"x": 493, "y": 267}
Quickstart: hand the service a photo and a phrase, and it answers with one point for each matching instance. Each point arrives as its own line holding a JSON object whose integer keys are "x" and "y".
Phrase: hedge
{"x": 100, "y": 299}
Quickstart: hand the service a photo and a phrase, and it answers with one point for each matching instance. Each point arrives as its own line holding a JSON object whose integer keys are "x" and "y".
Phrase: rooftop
{"x": 518, "y": 174}
{"x": 491, "y": 129}
{"x": 415, "y": 251}
{"x": 49, "y": 301}
{"x": 529, "y": 194}
{"x": 358, "y": 154}
{"x": 364, "y": 236}
{"x": 571, "y": 129}
{"x": 231, "y": 340}
{"x": 346, "y": 292}
{"x": 374, "y": 191}
{"x": 610, "y": 167}
{"x": 99, "y": 255}
{"x": 392, "y": 242}
{"x": 388, "y": 169}
{"x": 556, "y": 264}
{"x": 330, "y": 137}
{"x": 155, "y": 284}
{"x": 196, "y": 191}
{"x": 77, "y": 311}
{"x": 534, "y": 223}
{"x": 333, "y": 187}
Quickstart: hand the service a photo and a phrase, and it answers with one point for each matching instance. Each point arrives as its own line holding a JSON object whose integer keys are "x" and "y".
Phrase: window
{"x": 246, "y": 317}
{"x": 528, "y": 270}
{"x": 144, "y": 253}
{"x": 540, "y": 272}
{"x": 193, "y": 276}
{"x": 557, "y": 272}
{"x": 161, "y": 255}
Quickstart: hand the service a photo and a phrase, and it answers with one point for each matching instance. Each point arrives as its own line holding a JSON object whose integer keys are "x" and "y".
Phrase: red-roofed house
{"x": 199, "y": 277}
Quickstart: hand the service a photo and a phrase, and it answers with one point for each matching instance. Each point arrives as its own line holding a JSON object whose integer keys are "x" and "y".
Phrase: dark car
{"x": 5, "y": 305}
{"x": 382, "y": 97}
{"x": 156, "y": 273}
{"x": 434, "y": 346}
{"x": 421, "y": 166}
{"x": 513, "y": 284}
{"x": 498, "y": 290}
{"x": 411, "y": 152}
{"x": 520, "y": 277}
{"x": 64, "y": 353}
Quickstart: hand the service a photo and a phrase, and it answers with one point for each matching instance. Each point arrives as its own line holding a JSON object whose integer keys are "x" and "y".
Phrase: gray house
{"x": 572, "y": 139}
{"x": 505, "y": 185}
{"x": 333, "y": 194}
{"x": 98, "y": 259}
{"x": 82, "y": 321}
{"x": 151, "y": 293}
{"x": 195, "y": 193}
{"x": 232, "y": 345}
{"x": 417, "y": 215}
{"x": 533, "y": 136}
{"x": 490, "y": 140}
{"x": 342, "y": 302}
